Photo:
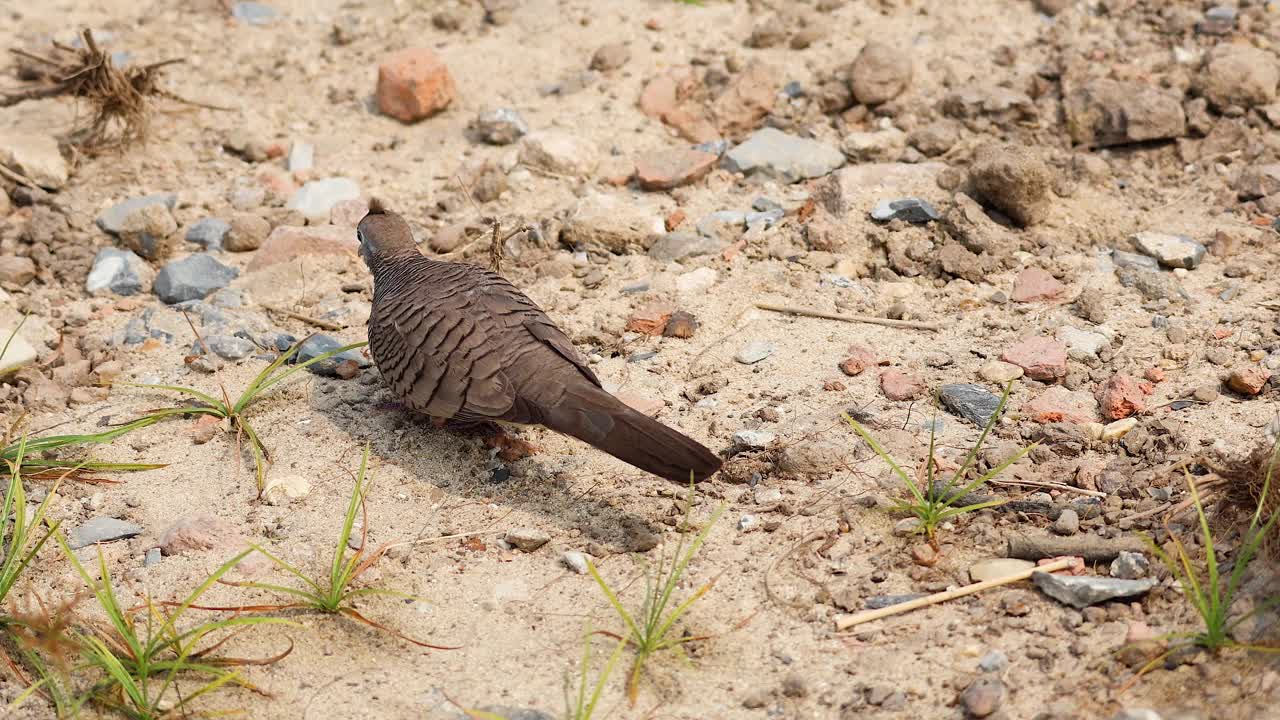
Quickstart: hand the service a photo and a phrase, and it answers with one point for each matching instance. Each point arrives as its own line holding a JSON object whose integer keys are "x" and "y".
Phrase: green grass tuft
{"x": 926, "y": 502}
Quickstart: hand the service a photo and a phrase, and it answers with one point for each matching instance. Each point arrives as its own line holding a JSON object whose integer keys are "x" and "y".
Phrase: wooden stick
{"x": 848, "y": 621}
{"x": 18, "y": 177}
{"x": 1090, "y": 547}
{"x": 324, "y": 324}
{"x": 1047, "y": 484}
{"x": 869, "y": 319}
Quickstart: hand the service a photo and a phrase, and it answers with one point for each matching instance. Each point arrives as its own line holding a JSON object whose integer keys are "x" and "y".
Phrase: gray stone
{"x": 993, "y": 661}
{"x": 678, "y": 246}
{"x": 748, "y": 522}
{"x": 723, "y": 225}
{"x": 148, "y": 231}
{"x": 502, "y": 126}
{"x": 153, "y": 557}
{"x": 754, "y": 352}
{"x": 254, "y": 13}
{"x": 1130, "y": 565}
{"x": 1122, "y": 259}
{"x": 765, "y": 219}
{"x": 317, "y": 345}
{"x": 764, "y": 204}
{"x": 1068, "y": 523}
{"x": 316, "y": 199}
{"x": 227, "y": 347}
{"x": 1172, "y": 251}
{"x": 560, "y": 152}
{"x": 208, "y": 232}
{"x": 101, "y": 529}
{"x": 575, "y": 561}
{"x": 971, "y": 402}
{"x": 753, "y": 438}
{"x": 112, "y": 219}
{"x": 912, "y": 210}
{"x": 192, "y": 278}
{"x": 302, "y": 156}
{"x": 876, "y": 602}
{"x": 789, "y": 158}
{"x": 1083, "y": 591}
{"x": 526, "y": 539}
{"x": 119, "y": 271}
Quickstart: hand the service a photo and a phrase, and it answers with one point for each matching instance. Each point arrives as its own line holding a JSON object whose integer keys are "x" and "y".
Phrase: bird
{"x": 460, "y": 343}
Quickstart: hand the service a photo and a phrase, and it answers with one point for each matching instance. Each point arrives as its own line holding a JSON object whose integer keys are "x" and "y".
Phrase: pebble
{"x": 414, "y": 84}
{"x": 610, "y": 57}
{"x": 316, "y": 199}
{"x": 302, "y": 156}
{"x": 254, "y": 13}
{"x": 696, "y": 281}
{"x": 1123, "y": 259}
{"x": 247, "y": 232}
{"x": 880, "y": 73}
{"x": 575, "y": 561}
{"x": 1036, "y": 285}
{"x": 208, "y": 232}
{"x": 1257, "y": 181}
{"x": 994, "y": 661}
{"x": 1085, "y": 590}
{"x": 147, "y": 231}
{"x": 898, "y": 386}
{"x": 284, "y": 490}
{"x": 788, "y": 158}
{"x": 1240, "y": 75}
{"x": 1137, "y": 714}
{"x": 723, "y": 225}
{"x": 1041, "y": 358}
{"x": 753, "y": 438}
{"x": 288, "y": 242}
{"x": 994, "y": 568}
{"x": 912, "y": 210}
{"x": 192, "y": 278}
{"x": 754, "y": 352}
{"x": 1068, "y": 522}
{"x": 526, "y": 539}
{"x": 878, "y": 146}
{"x": 226, "y": 347}
{"x": 1130, "y": 565}
{"x": 1113, "y": 431}
{"x": 101, "y": 529}
{"x": 152, "y": 557}
{"x": 765, "y": 219}
{"x": 1121, "y": 397}
{"x": 1248, "y": 381}
{"x": 560, "y": 152}
{"x": 500, "y": 126}
{"x": 767, "y": 495}
{"x": 971, "y": 402}
{"x": 36, "y": 156}
{"x": 668, "y": 169}
{"x": 1171, "y": 251}
{"x": 876, "y": 602}
{"x": 16, "y": 351}
{"x": 983, "y": 696}
{"x": 997, "y": 371}
{"x": 1107, "y": 112}
{"x": 1218, "y": 20}
{"x": 16, "y": 270}
{"x": 1082, "y": 344}
{"x": 748, "y": 523}
{"x": 112, "y": 219}
{"x": 1014, "y": 180}
{"x": 317, "y": 345}
{"x": 907, "y": 527}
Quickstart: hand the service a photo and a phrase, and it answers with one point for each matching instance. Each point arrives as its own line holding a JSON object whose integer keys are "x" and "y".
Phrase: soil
{"x": 826, "y": 544}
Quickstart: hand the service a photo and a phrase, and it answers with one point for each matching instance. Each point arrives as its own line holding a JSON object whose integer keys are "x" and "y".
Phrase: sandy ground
{"x": 517, "y": 616}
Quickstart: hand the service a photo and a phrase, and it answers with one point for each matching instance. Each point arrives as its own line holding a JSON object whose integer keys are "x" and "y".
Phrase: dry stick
{"x": 18, "y": 177}
{"x": 1092, "y": 548}
{"x": 869, "y": 319}
{"x": 849, "y": 621}
{"x": 323, "y": 324}
{"x": 1048, "y": 484}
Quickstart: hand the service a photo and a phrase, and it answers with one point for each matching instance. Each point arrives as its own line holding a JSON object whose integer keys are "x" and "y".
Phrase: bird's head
{"x": 383, "y": 234}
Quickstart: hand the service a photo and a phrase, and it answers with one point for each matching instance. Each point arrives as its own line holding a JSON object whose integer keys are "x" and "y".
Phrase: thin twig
{"x": 323, "y": 324}
{"x": 844, "y": 623}
{"x": 18, "y": 177}
{"x": 1048, "y": 484}
{"x": 868, "y": 319}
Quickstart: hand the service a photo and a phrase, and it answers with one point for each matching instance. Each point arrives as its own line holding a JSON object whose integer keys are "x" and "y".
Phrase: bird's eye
{"x": 360, "y": 235}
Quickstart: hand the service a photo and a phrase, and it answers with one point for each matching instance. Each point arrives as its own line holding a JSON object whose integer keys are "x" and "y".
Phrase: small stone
{"x": 793, "y": 686}
{"x": 1085, "y": 590}
{"x": 208, "y": 233}
{"x": 1113, "y": 431}
{"x": 1248, "y": 381}
{"x": 16, "y": 270}
{"x": 971, "y": 402}
{"x": 912, "y": 210}
{"x": 1040, "y": 358}
{"x": 880, "y": 73}
{"x": 1068, "y": 522}
{"x": 560, "y": 152}
{"x": 651, "y": 319}
{"x": 1107, "y": 112}
{"x": 681, "y": 325}
{"x": 995, "y": 568}
{"x": 152, "y": 557}
{"x": 316, "y": 199}
{"x": 414, "y": 84}
{"x": 1060, "y": 405}
{"x": 1036, "y": 285}
{"x": 753, "y": 438}
{"x": 999, "y": 372}
{"x": 575, "y": 561}
{"x": 147, "y": 231}
{"x": 995, "y": 661}
{"x": 1137, "y": 714}
{"x": 722, "y": 225}
{"x": 1123, "y": 259}
{"x": 669, "y": 169}
{"x": 1082, "y": 344}
{"x": 1258, "y": 181}
{"x": 1015, "y": 181}
{"x": 289, "y": 242}
{"x": 16, "y": 351}
{"x": 284, "y": 490}
{"x": 192, "y": 278}
{"x": 1122, "y": 396}
{"x": 1130, "y": 565}
{"x": 683, "y": 245}
{"x": 897, "y": 385}
{"x": 100, "y": 530}
{"x": 501, "y": 126}
{"x": 302, "y": 156}
{"x": 228, "y": 347}
{"x": 254, "y": 13}
{"x": 924, "y": 555}
{"x": 982, "y": 697}
{"x": 878, "y": 146}
{"x": 247, "y": 232}
{"x": 789, "y": 158}
{"x": 935, "y": 138}
{"x": 527, "y": 539}
{"x": 1172, "y": 251}
{"x": 1240, "y": 75}
{"x": 36, "y": 156}
{"x": 318, "y": 345}
{"x": 754, "y": 352}
{"x": 610, "y": 57}
{"x": 860, "y": 358}
{"x": 112, "y": 219}
{"x": 748, "y": 523}
{"x": 907, "y": 527}
{"x": 696, "y": 281}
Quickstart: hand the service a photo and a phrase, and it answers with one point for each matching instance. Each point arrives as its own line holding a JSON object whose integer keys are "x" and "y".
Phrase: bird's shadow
{"x": 461, "y": 466}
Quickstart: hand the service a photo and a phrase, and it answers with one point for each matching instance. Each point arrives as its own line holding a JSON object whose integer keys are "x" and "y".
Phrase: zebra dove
{"x": 458, "y": 342}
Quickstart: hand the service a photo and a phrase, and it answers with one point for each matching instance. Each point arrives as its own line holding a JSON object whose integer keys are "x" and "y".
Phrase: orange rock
{"x": 414, "y": 84}
{"x": 897, "y": 385}
{"x": 749, "y": 98}
{"x": 1154, "y": 374}
{"x": 651, "y": 319}
{"x": 288, "y": 242}
{"x": 1121, "y": 397}
{"x": 672, "y": 168}
{"x": 860, "y": 358}
{"x": 673, "y": 220}
{"x": 1034, "y": 284}
{"x": 669, "y": 98}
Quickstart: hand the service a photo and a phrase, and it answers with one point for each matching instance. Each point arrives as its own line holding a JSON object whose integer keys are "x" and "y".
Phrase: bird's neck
{"x": 394, "y": 270}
